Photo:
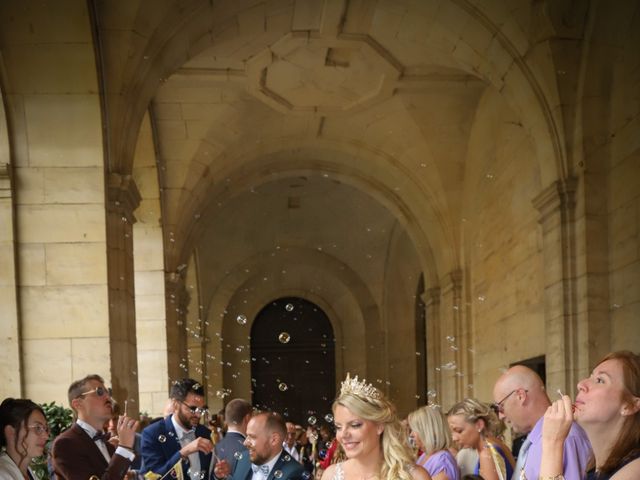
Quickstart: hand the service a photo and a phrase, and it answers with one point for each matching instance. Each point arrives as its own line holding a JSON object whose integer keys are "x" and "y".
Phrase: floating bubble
{"x": 481, "y": 298}
{"x": 418, "y": 354}
{"x": 284, "y": 337}
{"x": 451, "y": 338}
{"x": 162, "y": 438}
{"x": 283, "y": 387}
{"x": 312, "y": 420}
{"x": 431, "y": 393}
{"x": 237, "y": 455}
{"x": 277, "y": 474}
{"x": 287, "y": 458}
{"x": 289, "y": 307}
{"x": 306, "y": 475}
{"x": 241, "y": 319}
{"x": 449, "y": 366}
{"x": 328, "y": 418}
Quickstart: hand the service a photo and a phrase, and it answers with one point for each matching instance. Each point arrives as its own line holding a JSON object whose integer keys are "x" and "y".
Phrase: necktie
{"x": 100, "y": 436}
{"x": 518, "y": 472}
{"x": 264, "y": 469}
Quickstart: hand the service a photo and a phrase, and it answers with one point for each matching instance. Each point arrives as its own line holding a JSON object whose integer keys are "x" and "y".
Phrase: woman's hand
{"x": 557, "y": 421}
{"x": 556, "y": 426}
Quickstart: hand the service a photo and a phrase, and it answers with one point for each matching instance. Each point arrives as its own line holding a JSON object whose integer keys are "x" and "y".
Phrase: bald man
{"x": 520, "y": 398}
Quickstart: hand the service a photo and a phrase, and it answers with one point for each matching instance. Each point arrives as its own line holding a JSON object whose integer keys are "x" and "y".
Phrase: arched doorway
{"x": 293, "y": 359}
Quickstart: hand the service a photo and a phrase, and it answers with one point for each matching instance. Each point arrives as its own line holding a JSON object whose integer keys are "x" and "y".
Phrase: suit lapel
{"x": 92, "y": 448}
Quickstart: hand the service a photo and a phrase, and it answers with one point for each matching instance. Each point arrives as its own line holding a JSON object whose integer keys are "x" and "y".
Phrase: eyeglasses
{"x": 197, "y": 410}
{"x": 498, "y": 407}
{"x": 39, "y": 428}
{"x": 99, "y": 391}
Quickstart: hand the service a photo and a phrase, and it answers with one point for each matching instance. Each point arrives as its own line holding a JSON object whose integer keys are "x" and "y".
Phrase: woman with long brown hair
{"x": 607, "y": 407}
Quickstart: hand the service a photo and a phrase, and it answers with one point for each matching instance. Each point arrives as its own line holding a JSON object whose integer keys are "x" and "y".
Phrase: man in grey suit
{"x": 82, "y": 452}
{"x": 267, "y": 460}
{"x": 237, "y": 414}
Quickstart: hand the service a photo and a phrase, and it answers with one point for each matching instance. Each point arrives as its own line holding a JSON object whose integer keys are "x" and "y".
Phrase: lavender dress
{"x": 440, "y": 461}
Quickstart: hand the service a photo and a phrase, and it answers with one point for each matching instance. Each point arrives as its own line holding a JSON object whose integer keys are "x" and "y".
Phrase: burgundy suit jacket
{"x": 77, "y": 457}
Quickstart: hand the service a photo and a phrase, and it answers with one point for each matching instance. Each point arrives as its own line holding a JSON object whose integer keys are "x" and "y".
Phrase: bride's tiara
{"x": 358, "y": 388}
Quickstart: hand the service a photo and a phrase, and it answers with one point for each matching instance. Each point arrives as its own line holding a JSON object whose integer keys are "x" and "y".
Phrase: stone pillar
{"x": 450, "y": 315}
{"x": 556, "y": 205}
{"x": 431, "y": 300}
{"x": 10, "y": 363}
{"x": 122, "y": 199}
{"x": 177, "y": 304}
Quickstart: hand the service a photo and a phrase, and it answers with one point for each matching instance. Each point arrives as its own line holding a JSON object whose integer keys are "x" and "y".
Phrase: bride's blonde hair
{"x": 368, "y": 403}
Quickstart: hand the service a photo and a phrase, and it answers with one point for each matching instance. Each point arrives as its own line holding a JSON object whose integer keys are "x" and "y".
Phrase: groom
{"x": 266, "y": 460}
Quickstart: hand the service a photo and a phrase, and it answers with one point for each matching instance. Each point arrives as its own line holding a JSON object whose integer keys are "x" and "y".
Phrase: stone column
{"x": 556, "y": 205}
{"x": 122, "y": 199}
{"x": 177, "y": 304}
{"x": 10, "y": 363}
{"x": 431, "y": 300}
{"x": 450, "y": 329}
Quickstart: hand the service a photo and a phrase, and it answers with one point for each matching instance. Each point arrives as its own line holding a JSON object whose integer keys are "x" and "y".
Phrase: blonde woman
{"x": 474, "y": 425}
{"x": 431, "y": 434}
{"x": 370, "y": 433}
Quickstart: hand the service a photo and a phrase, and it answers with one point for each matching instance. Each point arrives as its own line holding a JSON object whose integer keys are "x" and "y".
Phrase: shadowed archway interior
{"x": 292, "y": 359}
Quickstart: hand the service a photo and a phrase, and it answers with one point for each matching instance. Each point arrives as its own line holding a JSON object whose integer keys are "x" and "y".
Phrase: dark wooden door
{"x": 293, "y": 360}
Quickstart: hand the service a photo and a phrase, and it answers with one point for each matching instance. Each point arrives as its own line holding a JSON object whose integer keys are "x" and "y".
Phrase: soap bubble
{"x": 241, "y": 319}
{"x": 284, "y": 337}
{"x": 237, "y": 455}
{"x": 283, "y": 387}
{"x": 328, "y": 418}
{"x": 162, "y": 438}
{"x": 312, "y": 420}
{"x": 277, "y": 474}
{"x": 287, "y": 458}
{"x": 289, "y": 307}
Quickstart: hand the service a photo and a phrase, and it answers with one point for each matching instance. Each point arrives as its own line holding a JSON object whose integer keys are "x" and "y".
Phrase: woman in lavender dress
{"x": 431, "y": 434}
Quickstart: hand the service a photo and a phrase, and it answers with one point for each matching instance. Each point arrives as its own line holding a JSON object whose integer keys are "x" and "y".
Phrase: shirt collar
{"x": 180, "y": 430}
{"x": 87, "y": 428}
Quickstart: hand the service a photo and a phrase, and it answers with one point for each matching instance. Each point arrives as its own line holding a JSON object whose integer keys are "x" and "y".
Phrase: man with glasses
{"x": 180, "y": 436}
{"x": 522, "y": 401}
{"x": 82, "y": 452}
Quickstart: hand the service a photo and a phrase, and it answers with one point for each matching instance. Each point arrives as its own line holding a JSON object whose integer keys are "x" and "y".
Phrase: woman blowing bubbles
{"x": 370, "y": 433}
{"x": 23, "y": 434}
{"x": 607, "y": 407}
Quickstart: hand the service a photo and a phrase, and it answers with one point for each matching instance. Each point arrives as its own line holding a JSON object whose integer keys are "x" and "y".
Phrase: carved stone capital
{"x": 123, "y": 196}
{"x": 431, "y": 297}
{"x": 557, "y": 197}
{"x": 452, "y": 282}
{"x": 5, "y": 181}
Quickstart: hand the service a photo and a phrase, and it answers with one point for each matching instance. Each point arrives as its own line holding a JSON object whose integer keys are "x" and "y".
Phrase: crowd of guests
{"x": 594, "y": 437}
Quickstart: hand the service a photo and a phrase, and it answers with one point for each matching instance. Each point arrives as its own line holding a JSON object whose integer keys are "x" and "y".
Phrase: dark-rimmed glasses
{"x": 99, "y": 391}
{"x": 196, "y": 410}
{"x": 498, "y": 407}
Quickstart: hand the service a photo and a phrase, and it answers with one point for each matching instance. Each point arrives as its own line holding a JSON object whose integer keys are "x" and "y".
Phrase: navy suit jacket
{"x": 227, "y": 448}
{"x": 160, "y": 448}
{"x": 290, "y": 469}
{"x": 77, "y": 457}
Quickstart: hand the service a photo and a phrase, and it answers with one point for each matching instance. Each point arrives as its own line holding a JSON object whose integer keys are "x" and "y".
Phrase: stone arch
{"x": 342, "y": 295}
{"x": 486, "y": 43}
{"x": 410, "y": 208}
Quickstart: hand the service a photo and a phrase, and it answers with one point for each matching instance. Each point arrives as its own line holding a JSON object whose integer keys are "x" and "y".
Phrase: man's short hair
{"x": 181, "y": 388}
{"x": 236, "y": 410}
{"x": 275, "y": 423}
{"x": 77, "y": 388}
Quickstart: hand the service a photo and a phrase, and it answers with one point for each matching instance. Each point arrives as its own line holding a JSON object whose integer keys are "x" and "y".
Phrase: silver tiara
{"x": 358, "y": 388}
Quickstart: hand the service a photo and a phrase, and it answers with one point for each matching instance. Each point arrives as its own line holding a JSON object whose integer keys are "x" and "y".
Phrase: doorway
{"x": 293, "y": 360}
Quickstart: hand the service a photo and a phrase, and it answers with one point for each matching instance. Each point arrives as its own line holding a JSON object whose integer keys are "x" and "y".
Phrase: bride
{"x": 371, "y": 436}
